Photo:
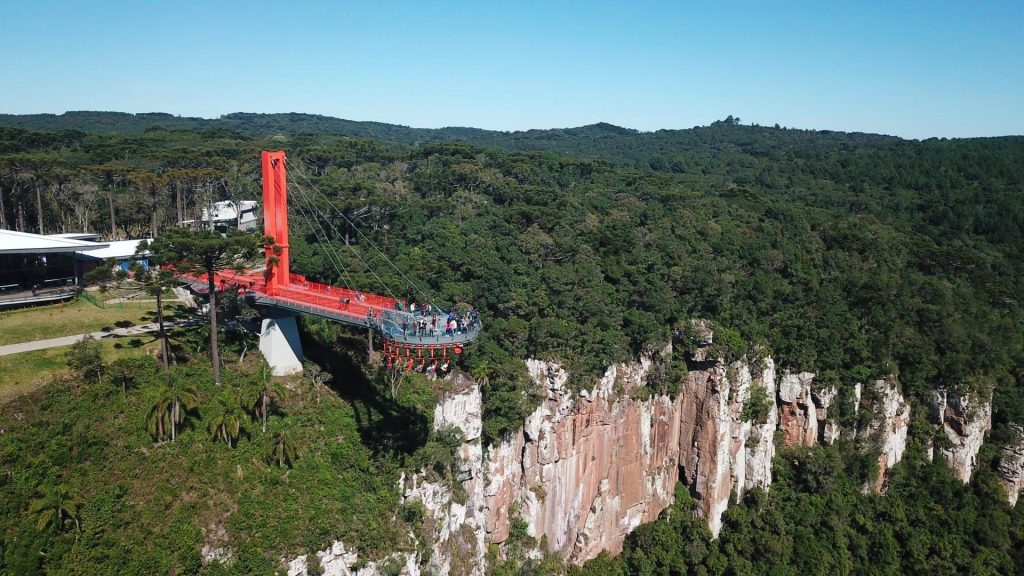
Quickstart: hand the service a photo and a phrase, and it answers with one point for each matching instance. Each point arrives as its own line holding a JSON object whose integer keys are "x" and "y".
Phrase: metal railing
{"x": 381, "y": 313}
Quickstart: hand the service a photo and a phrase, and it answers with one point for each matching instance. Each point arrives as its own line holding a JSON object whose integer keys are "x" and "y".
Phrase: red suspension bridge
{"x": 423, "y": 339}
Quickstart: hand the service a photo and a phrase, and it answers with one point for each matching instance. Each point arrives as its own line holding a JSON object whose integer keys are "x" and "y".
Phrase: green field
{"x": 28, "y": 371}
{"x": 76, "y": 317}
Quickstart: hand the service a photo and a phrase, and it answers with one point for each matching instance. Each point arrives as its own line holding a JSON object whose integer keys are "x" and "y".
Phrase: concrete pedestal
{"x": 279, "y": 343}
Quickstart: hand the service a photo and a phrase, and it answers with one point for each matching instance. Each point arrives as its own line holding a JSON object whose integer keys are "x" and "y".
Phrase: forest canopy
{"x": 853, "y": 256}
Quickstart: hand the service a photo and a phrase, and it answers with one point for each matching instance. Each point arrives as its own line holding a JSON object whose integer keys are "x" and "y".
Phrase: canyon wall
{"x": 1011, "y": 465}
{"x": 588, "y": 468}
{"x": 964, "y": 423}
{"x": 803, "y": 411}
{"x": 888, "y": 429}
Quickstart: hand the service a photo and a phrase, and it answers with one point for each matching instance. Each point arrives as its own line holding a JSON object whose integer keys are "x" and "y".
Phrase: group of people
{"x": 428, "y": 321}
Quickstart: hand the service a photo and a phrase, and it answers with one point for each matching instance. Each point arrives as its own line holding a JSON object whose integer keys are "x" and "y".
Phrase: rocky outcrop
{"x": 888, "y": 428}
{"x": 1011, "y": 465}
{"x": 455, "y": 515}
{"x": 720, "y": 453}
{"x": 456, "y": 521}
{"x": 803, "y": 411}
{"x": 965, "y": 423}
{"x": 338, "y": 561}
{"x": 588, "y": 468}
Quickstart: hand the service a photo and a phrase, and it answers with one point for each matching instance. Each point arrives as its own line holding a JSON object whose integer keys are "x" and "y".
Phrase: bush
{"x": 85, "y": 358}
{"x": 758, "y": 406}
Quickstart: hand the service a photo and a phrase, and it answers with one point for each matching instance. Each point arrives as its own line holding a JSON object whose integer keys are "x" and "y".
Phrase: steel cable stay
{"x": 343, "y": 273}
{"x": 352, "y": 248}
{"x": 424, "y": 340}
{"x": 359, "y": 232}
{"x": 337, "y": 233}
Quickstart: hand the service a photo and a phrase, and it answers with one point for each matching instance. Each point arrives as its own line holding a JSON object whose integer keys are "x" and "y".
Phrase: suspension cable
{"x": 343, "y": 273}
{"x": 370, "y": 242}
{"x": 352, "y": 248}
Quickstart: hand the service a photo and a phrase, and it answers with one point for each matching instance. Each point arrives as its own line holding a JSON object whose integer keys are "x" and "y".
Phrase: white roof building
{"x": 118, "y": 250}
{"x": 12, "y": 242}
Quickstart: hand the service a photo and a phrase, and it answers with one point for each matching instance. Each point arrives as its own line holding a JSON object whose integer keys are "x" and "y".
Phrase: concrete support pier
{"x": 279, "y": 343}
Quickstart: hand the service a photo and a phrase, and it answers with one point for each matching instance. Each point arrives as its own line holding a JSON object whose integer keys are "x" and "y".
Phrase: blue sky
{"x": 913, "y": 69}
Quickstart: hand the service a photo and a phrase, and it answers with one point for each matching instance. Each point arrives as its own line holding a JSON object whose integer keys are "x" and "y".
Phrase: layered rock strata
{"x": 965, "y": 422}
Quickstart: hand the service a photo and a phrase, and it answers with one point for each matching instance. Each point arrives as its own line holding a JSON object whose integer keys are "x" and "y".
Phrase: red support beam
{"x": 275, "y": 217}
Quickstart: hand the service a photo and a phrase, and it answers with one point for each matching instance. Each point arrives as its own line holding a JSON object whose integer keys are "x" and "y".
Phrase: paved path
{"x": 69, "y": 340}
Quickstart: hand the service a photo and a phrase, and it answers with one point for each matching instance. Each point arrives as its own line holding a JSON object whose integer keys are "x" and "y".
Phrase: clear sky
{"x": 913, "y": 69}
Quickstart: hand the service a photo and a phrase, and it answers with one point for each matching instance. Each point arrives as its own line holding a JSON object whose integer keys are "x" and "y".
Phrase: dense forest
{"x": 850, "y": 255}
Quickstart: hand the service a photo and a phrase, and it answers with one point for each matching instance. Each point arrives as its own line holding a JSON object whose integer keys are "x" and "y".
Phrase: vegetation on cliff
{"x": 853, "y": 256}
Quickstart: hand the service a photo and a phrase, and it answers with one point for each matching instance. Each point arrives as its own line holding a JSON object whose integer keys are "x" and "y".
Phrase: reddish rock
{"x": 587, "y": 469}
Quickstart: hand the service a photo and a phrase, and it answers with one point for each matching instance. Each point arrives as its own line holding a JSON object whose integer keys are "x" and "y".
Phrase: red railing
{"x": 350, "y": 303}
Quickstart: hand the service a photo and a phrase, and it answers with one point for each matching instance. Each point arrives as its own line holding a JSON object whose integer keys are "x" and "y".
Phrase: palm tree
{"x": 266, "y": 392}
{"x": 281, "y": 450}
{"x": 481, "y": 373}
{"x": 54, "y": 507}
{"x": 170, "y": 409}
{"x": 226, "y": 419}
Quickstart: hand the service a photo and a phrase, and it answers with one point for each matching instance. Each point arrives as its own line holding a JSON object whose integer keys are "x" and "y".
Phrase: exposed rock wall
{"x": 803, "y": 411}
{"x": 720, "y": 454}
{"x": 339, "y": 561}
{"x": 888, "y": 427}
{"x": 1011, "y": 466}
{"x": 456, "y": 522}
{"x": 587, "y": 469}
{"x": 965, "y": 423}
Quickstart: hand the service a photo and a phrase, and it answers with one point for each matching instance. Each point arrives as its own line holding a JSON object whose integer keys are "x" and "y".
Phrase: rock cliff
{"x": 456, "y": 518}
{"x": 586, "y": 469}
{"x": 888, "y": 429}
{"x": 1011, "y": 465}
{"x": 339, "y": 561}
{"x": 803, "y": 411}
{"x": 720, "y": 453}
{"x": 964, "y": 423}
{"x": 589, "y": 468}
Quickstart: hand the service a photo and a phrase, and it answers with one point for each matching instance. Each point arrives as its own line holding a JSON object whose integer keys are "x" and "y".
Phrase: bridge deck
{"x": 352, "y": 307}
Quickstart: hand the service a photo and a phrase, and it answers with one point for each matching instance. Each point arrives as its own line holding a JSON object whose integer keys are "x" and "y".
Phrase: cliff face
{"x": 721, "y": 454}
{"x": 1011, "y": 466}
{"x": 587, "y": 469}
{"x": 888, "y": 428}
{"x": 339, "y": 561}
{"x": 456, "y": 521}
{"x": 964, "y": 422}
{"x": 803, "y": 411}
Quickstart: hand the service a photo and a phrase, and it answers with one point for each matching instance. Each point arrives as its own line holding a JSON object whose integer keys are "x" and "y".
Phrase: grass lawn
{"x": 76, "y": 317}
{"x": 22, "y": 373}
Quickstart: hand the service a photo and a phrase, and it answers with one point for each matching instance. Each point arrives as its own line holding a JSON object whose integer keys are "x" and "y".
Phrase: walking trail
{"x": 69, "y": 340}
